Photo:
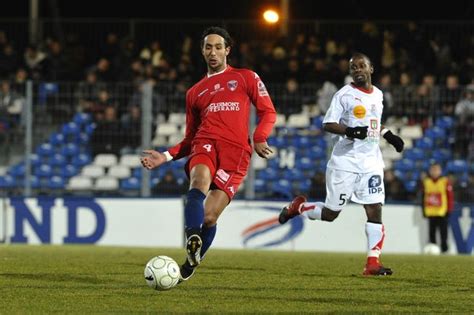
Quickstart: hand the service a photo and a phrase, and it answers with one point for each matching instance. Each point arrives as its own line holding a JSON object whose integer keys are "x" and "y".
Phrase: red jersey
{"x": 218, "y": 107}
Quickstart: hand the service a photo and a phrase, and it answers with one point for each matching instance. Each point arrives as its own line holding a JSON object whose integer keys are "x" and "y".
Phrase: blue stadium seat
{"x": 317, "y": 153}
{"x": 457, "y": 167}
{"x": 293, "y": 174}
{"x": 411, "y": 185}
{"x": 56, "y": 182}
{"x": 301, "y": 141}
{"x": 69, "y": 170}
{"x": 45, "y": 149}
{"x": 57, "y": 160}
{"x": 304, "y": 164}
{"x": 279, "y": 142}
{"x": 35, "y": 159}
{"x": 44, "y": 170}
{"x": 131, "y": 183}
{"x": 70, "y": 129}
{"x": 268, "y": 174}
{"x": 445, "y": 122}
{"x": 273, "y": 163}
{"x": 424, "y": 143}
{"x": 414, "y": 154}
{"x": 82, "y": 138}
{"x": 7, "y": 181}
{"x": 56, "y": 139}
{"x": 89, "y": 128}
{"x": 404, "y": 165}
{"x": 70, "y": 149}
{"x": 17, "y": 170}
{"x": 82, "y": 118}
{"x": 441, "y": 155}
{"x": 304, "y": 185}
{"x": 35, "y": 182}
{"x": 81, "y": 159}
{"x": 317, "y": 121}
{"x": 435, "y": 132}
{"x": 282, "y": 187}
{"x": 260, "y": 185}
{"x": 45, "y": 90}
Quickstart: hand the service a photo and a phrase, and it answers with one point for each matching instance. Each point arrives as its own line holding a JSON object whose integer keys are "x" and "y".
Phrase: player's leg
{"x": 432, "y": 229}
{"x": 370, "y": 193}
{"x": 201, "y": 172}
{"x": 443, "y": 229}
{"x": 214, "y": 205}
{"x": 339, "y": 188}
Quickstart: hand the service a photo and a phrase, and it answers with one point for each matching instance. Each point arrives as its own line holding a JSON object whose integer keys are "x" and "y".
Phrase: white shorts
{"x": 362, "y": 188}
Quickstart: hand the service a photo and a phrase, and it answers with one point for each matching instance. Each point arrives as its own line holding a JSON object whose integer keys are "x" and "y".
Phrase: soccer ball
{"x": 432, "y": 249}
{"x": 161, "y": 273}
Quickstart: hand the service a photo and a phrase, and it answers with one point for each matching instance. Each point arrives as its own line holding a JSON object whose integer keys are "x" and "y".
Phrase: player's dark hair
{"x": 219, "y": 31}
{"x": 361, "y": 55}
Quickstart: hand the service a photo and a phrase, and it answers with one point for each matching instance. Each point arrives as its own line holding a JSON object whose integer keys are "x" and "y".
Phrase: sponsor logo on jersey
{"x": 201, "y": 93}
{"x": 375, "y": 183}
{"x": 222, "y": 176}
{"x": 223, "y": 107}
{"x": 232, "y": 85}
{"x": 262, "y": 90}
{"x": 373, "y": 124}
{"x": 373, "y": 109}
{"x": 217, "y": 88}
{"x": 359, "y": 111}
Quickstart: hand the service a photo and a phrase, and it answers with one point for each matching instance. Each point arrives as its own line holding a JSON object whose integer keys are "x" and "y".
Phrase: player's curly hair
{"x": 219, "y": 31}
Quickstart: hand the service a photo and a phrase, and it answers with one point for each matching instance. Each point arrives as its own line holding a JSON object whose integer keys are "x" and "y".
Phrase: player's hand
{"x": 152, "y": 159}
{"x": 263, "y": 150}
{"x": 394, "y": 140}
{"x": 357, "y": 132}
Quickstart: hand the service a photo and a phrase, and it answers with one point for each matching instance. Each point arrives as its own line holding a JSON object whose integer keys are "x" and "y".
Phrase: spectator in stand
{"x": 394, "y": 188}
{"x": 437, "y": 204}
{"x": 169, "y": 186}
{"x": 35, "y": 61}
{"x": 107, "y": 136}
{"x": 87, "y": 91}
{"x": 131, "y": 128}
{"x": 450, "y": 95}
{"x": 464, "y": 112}
{"x": 100, "y": 103}
{"x": 11, "y": 106}
{"x": 290, "y": 100}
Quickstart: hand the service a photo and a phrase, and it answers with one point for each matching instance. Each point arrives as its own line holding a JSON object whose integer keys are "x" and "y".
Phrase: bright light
{"x": 271, "y": 16}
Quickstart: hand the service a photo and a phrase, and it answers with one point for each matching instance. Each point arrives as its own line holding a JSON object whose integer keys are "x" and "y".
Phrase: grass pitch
{"x": 92, "y": 279}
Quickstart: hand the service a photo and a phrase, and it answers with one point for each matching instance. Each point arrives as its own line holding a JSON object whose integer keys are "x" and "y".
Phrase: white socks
{"x": 312, "y": 210}
{"x": 375, "y": 235}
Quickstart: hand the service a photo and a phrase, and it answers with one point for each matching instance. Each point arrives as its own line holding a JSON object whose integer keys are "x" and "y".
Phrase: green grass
{"x": 92, "y": 279}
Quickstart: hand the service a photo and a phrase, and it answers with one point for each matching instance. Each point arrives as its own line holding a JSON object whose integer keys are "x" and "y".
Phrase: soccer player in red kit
{"x": 217, "y": 141}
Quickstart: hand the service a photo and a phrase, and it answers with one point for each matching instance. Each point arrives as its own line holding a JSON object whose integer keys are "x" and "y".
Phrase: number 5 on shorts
{"x": 342, "y": 198}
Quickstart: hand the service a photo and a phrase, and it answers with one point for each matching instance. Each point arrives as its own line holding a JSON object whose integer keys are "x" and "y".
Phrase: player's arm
{"x": 391, "y": 138}
{"x": 333, "y": 116}
{"x": 266, "y": 115}
{"x": 351, "y": 132}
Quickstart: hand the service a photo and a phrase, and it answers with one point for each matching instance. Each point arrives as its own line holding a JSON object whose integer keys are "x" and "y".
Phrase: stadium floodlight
{"x": 271, "y": 16}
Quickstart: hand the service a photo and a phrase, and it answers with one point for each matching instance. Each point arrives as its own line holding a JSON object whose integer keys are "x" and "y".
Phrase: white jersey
{"x": 355, "y": 107}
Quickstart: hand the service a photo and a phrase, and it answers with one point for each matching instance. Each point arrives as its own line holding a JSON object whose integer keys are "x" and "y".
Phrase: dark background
{"x": 246, "y": 9}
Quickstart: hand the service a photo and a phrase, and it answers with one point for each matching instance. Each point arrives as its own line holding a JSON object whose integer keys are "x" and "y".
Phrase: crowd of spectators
{"x": 423, "y": 74}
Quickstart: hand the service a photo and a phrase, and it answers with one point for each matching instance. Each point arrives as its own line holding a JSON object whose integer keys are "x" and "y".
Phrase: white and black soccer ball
{"x": 162, "y": 273}
{"x": 431, "y": 249}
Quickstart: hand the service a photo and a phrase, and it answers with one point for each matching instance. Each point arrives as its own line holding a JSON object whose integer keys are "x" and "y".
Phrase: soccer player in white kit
{"x": 355, "y": 169}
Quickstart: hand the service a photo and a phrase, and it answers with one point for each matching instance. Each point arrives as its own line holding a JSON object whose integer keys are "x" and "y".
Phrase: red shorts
{"x": 227, "y": 162}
